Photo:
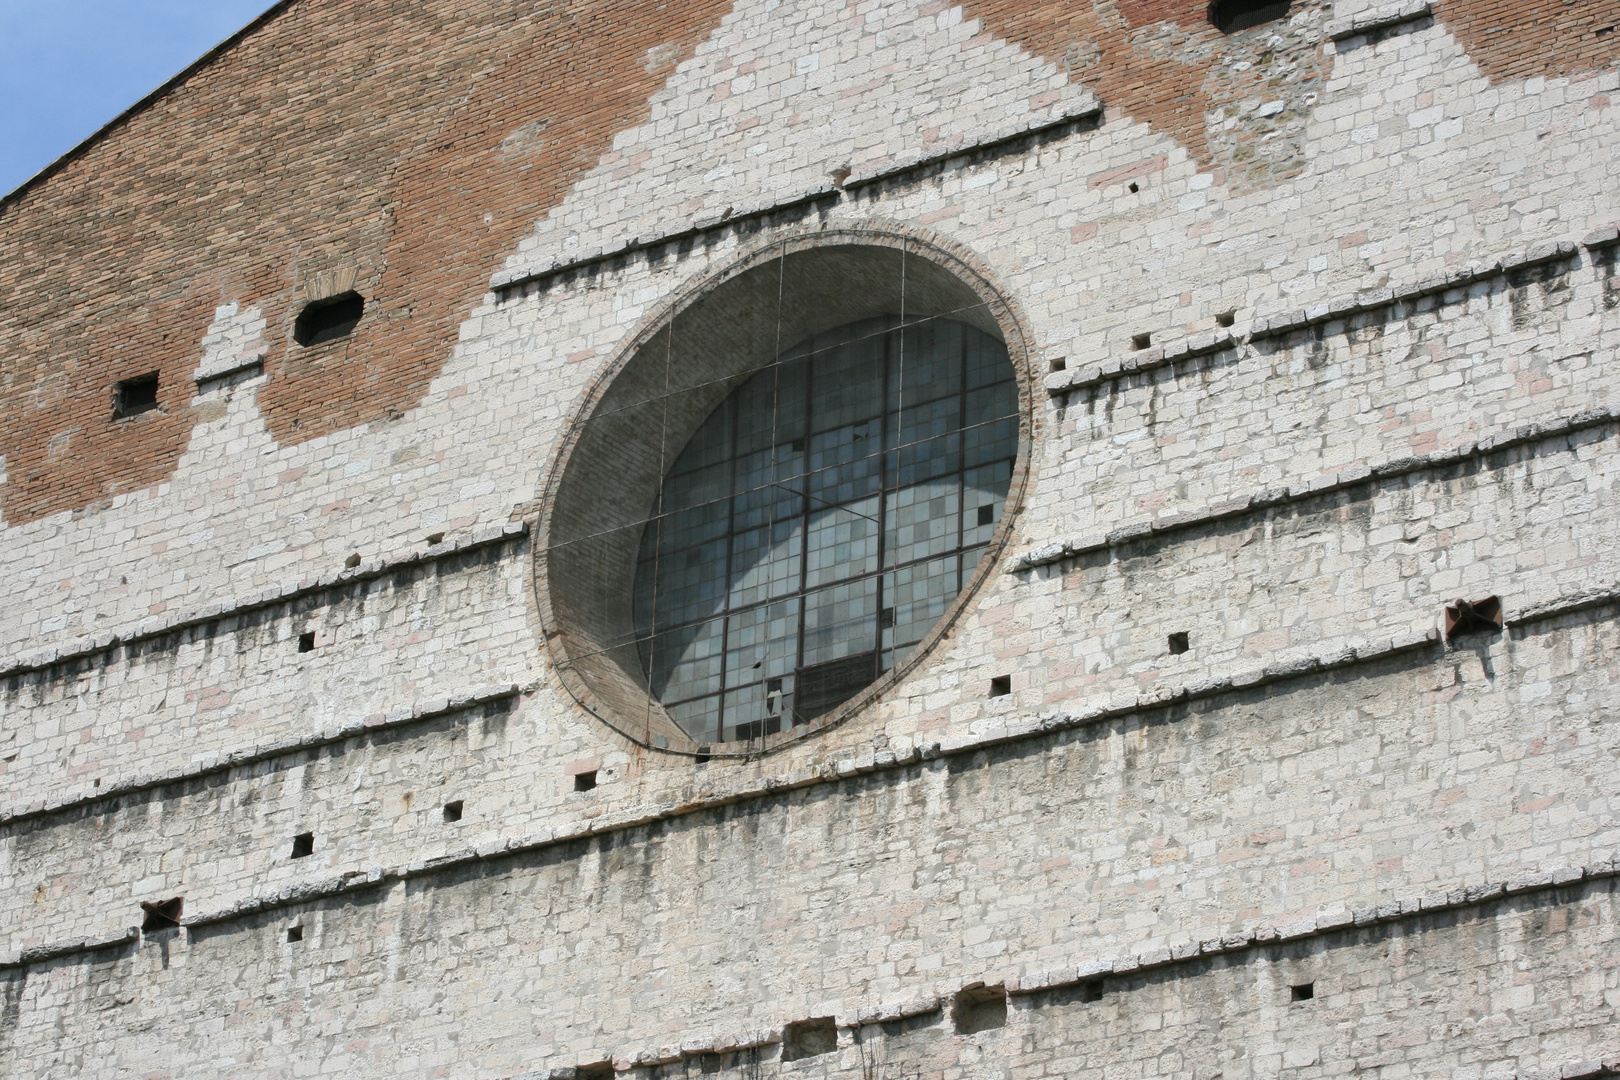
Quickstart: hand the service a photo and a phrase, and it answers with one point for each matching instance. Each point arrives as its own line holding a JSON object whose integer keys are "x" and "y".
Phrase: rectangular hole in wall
{"x": 295, "y": 933}
{"x": 979, "y": 1008}
{"x": 1226, "y": 318}
{"x": 1001, "y": 686}
{"x": 1060, "y": 363}
{"x": 134, "y": 396}
{"x": 597, "y": 1070}
{"x": 306, "y": 641}
{"x": 1141, "y": 341}
{"x": 303, "y": 845}
{"x": 585, "y": 781}
{"x": 452, "y": 811}
{"x": 1179, "y": 643}
{"x": 809, "y": 1038}
{"x": 1302, "y": 992}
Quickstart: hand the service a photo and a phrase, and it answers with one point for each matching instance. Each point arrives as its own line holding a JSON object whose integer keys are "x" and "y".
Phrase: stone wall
{"x": 1318, "y": 321}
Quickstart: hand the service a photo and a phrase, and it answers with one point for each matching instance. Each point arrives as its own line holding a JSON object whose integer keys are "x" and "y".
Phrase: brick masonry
{"x": 1348, "y": 414}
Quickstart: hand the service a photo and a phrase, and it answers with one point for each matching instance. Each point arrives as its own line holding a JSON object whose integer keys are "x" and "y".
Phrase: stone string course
{"x": 158, "y": 625}
{"x": 1481, "y": 450}
{"x": 1036, "y": 131}
{"x": 1006, "y": 730}
{"x": 218, "y": 762}
{"x": 1060, "y": 384}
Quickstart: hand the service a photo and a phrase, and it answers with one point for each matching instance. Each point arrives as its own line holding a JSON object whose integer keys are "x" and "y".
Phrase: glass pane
{"x": 833, "y": 505}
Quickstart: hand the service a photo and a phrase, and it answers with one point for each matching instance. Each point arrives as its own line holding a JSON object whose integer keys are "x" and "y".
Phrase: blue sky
{"x": 69, "y": 66}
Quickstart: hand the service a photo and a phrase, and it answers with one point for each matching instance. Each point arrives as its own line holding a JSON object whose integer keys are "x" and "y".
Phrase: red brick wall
{"x": 357, "y": 132}
{"x": 369, "y": 133}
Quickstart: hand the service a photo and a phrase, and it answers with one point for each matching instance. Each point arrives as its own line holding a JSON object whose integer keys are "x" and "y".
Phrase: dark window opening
{"x": 1141, "y": 341}
{"x": 135, "y": 396}
{"x": 758, "y": 729}
{"x": 328, "y": 320}
{"x": 809, "y": 1038}
{"x": 295, "y": 933}
{"x": 306, "y": 641}
{"x": 824, "y": 687}
{"x": 1302, "y": 992}
{"x": 585, "y": 781}
{"x": 1001, "y": 686}
{"x": 1179, "y": 643}
{"x": 1060, "y": 363}
{"x": 452, "y": 811}
{"x": 1226, "y": 318}
{"x": 1230, "y": 16}
{"x": 979, "y": 1008}
{"x": 303, "y": 845}
{"x": 163, "y": 915}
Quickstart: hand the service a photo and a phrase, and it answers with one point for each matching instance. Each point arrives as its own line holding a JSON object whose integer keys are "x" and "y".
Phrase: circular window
{"x": 740, "y": 537}
{"x": 820, "y": 522}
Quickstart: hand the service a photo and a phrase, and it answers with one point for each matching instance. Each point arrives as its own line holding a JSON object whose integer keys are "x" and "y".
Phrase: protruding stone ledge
{"x": 1351, "y": 477}
{"x": 224, "y": 761}
{"x": 1378, "y": 20}
{"x": 1319, "y": 925}
{"x": 1062, "y": 383}
{"x": 159, "y": 625}
{"x": 1037, "y": 130}
{"x": 987, "y": 736}
{"x": 216, "y": 377}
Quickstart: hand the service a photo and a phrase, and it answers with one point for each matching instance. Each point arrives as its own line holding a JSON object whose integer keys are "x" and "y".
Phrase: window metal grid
{"x": 821, "y": 521}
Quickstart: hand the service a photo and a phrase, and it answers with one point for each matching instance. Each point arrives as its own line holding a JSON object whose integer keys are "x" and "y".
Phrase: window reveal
{"x": 821, "y": 521}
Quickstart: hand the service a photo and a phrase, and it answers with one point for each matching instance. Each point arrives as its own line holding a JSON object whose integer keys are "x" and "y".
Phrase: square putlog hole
{"x": 295, "y": 933}
{"x": 306, "y": 641}
{"x": 1141, "y": 341}
{"x": 979, "y": 1008}
{"x": 452, "y": 811}
{"x": 1179, "y": 643}
{"x": 135, "y": 396}
{"x": 809, "y": 1038}
{"x": 599, "y": 1070}
{"x": 1302, "y": 992}
{"x": 585, "y": 781}
{"x": 303, "y": 845}
{"x": 1001, "y": 686}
